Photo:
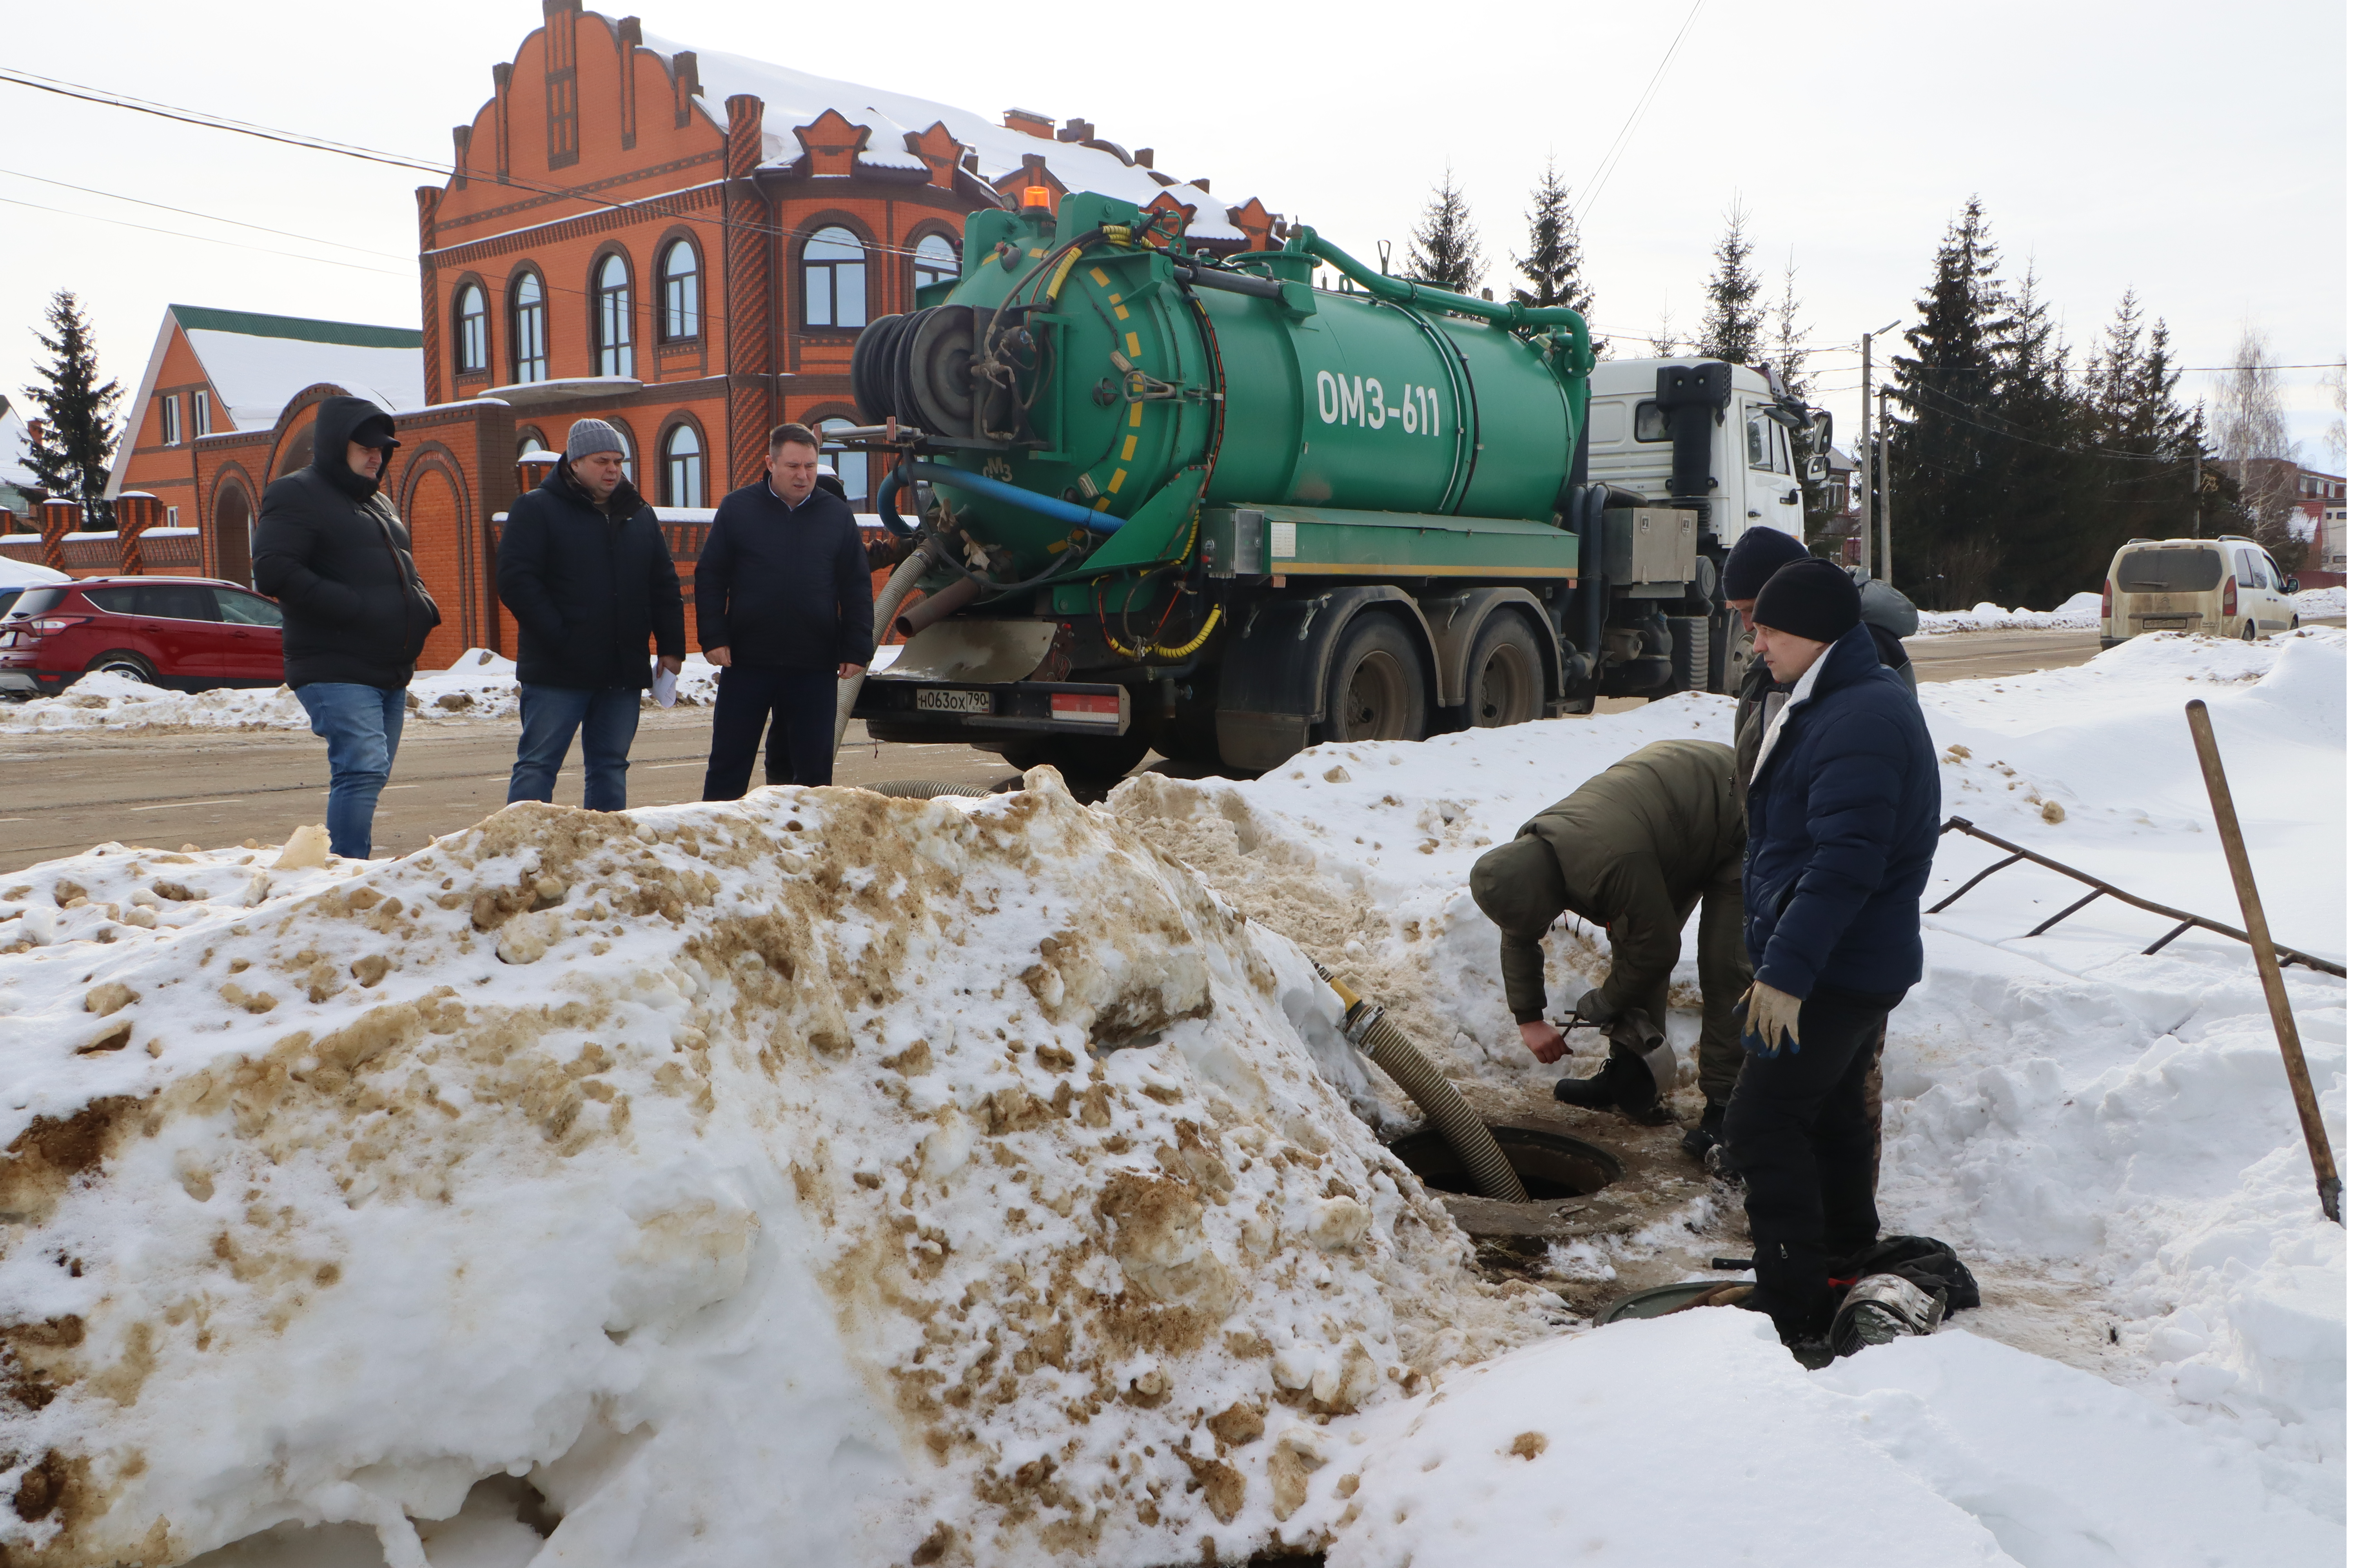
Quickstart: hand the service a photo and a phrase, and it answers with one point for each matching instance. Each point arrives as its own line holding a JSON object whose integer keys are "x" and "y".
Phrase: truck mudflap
{"x": 905, "y": 710}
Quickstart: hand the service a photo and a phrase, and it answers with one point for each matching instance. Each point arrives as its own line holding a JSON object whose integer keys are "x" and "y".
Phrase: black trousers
{"x": 1805, "y": 1141}
{"x": 802, "y": 704}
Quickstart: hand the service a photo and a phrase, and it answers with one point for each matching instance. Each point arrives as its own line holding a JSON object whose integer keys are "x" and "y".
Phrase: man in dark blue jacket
{"x": 784, "y": 606}
{"x": 1842, "y": 827}
{"x": 585, "y": 568}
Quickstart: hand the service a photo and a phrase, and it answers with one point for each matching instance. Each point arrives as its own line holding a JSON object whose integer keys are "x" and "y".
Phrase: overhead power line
{"x": 209, "y": 217}
{"x": 204, "y": 239}
{"x": 1619, "y": 144}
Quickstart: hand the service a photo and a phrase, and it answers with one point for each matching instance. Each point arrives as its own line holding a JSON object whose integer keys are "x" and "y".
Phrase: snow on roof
{"x": 794, "y": 99}
{"x": 258, "y": 362}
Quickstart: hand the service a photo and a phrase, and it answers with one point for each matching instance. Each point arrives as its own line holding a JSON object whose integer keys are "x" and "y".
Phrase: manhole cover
{"x": 1551, "y": 1165}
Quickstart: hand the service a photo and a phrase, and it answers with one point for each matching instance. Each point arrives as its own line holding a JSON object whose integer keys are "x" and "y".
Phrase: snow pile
{"x": 1949, "y": 1450}
{"x": 478, "y": 684}
{"x": 934, "y": 1181}
{"x": 2078, "y": 613}
{"x": 2320, "y": 603}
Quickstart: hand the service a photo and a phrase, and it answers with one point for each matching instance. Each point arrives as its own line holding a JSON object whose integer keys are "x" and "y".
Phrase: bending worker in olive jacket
{"x": 1633, "y": 850}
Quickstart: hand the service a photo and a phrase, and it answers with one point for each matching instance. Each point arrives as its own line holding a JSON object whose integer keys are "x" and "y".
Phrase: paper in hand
{"x": 665, "y": 687}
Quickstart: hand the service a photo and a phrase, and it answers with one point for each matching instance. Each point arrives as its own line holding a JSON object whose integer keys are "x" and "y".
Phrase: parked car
{"x": 189, "y": 634}
{"x": 2226, "y": 587}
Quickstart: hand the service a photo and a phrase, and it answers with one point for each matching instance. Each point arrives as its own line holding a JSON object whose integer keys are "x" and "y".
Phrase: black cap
{"x": 1812, "y": 598}
{"x": 1758, "y": 554}
{"x": 376, "y": 431}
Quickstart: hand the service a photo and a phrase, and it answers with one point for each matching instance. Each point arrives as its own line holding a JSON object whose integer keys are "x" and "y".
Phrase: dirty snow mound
{"x": 952, "y": 1181}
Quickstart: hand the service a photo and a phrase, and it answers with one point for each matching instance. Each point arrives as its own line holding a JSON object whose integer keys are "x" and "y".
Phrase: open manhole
{"x": 1551, "y": 1165}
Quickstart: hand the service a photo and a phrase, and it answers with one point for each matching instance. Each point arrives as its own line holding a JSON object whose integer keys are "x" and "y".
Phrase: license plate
{"x": 932, "y": 701}
{"x": 1086, "y": 707}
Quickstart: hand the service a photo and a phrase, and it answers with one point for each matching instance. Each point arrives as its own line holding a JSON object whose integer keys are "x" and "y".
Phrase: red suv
{"x": 187, "y": 633}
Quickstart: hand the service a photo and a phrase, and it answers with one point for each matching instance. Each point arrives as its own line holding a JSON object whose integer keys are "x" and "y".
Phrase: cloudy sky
{"x": 2195, "y": 154}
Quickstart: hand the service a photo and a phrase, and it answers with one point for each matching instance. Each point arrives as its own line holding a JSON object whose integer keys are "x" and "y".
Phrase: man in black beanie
{"x": 1842, "y": 819}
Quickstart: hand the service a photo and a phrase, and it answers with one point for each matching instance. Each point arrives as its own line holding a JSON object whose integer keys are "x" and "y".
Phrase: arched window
{"x": 935, "y": 261}
{"x": 529, "y": 440}
{"x": 848, "y": 466}
{"x": 615, "y": 354}
{"x": 682, "y": 298}
{"x": 833, "y": 279}
{"x": 683, "y": 467}
{"x": 473, "y": 333}
{"x": 530, "y": 328}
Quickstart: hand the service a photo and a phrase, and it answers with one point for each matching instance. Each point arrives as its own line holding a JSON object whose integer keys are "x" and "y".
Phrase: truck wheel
{"x": 1375, "y": 690}
{"x": 1687, "y": 653}
{"x": 1503, "y": 682}
{"x": 1095, "y": 758}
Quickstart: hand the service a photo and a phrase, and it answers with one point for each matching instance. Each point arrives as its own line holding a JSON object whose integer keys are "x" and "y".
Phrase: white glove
{"x": 1771, "y": 1014}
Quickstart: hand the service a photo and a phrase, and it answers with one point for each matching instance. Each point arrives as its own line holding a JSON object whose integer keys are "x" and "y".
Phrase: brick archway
{"x": 231, "y": 526}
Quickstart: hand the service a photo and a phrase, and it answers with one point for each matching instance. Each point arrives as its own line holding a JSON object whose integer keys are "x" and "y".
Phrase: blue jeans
{"x": 607, "y": 719}
{"x": 361, "y": 726}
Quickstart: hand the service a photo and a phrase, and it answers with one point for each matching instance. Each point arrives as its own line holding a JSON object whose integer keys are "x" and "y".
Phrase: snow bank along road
{"x": 984, "y": 1182}
{"x": 103, "y": 770}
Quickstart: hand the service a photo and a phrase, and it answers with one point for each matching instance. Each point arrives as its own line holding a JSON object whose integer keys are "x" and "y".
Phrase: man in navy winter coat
{"x": 1842, "y": 827}
{"x": 785, "y": 607}
{"x": 584, "y": 566}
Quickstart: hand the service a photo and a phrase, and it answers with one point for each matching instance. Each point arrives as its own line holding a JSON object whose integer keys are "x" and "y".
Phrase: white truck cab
{"x": 1754, "y": 477}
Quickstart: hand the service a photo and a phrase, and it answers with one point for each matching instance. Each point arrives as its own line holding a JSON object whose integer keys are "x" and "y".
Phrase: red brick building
{"x": 681, "y": 242}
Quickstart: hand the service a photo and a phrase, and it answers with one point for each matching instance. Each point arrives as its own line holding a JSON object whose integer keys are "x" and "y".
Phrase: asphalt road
{"x": 59, "y": 794}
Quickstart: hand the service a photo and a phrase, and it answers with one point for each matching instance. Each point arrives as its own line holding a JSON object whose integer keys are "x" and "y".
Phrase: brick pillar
{"x": 59, "y": 518}
{"x": 532, "y": 467}
{"x": 751, "y": 304}
{"x": 134, "y": 513}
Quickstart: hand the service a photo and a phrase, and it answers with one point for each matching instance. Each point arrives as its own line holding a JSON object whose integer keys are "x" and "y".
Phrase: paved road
{"x": 1973, "y": 655}
{"x": 59, "y": 794}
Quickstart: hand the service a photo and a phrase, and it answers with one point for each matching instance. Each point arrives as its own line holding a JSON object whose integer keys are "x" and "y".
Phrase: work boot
{"x": 1881, "y": 1307}
{"x": 1586, "y": 1093}
{"x": 1700, "y": 1139}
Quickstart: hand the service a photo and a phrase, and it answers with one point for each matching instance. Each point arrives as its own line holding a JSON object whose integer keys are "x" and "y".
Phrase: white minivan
{"x": 2224, "y": 587}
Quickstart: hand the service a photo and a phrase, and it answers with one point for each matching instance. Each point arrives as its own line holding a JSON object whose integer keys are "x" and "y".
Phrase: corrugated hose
{"x": 1367, "y": 1025}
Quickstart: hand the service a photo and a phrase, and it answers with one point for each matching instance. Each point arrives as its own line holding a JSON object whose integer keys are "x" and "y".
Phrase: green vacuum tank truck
{"x": 1164, "y": 500}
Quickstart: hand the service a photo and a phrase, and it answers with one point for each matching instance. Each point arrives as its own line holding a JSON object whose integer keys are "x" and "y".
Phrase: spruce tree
{"x": 1663, "y": 336}
{"x": 1445, "y": 249}
{"x": 1554, "y": 265}
{"x": 2145, "y": 444}
{"x": 1733, "y": 326}
{"x": 69, "y": 458}
{"x": 2048, "y": 486}
{"x": 1947, "y": 518}
{"x": 1789, "y": 338}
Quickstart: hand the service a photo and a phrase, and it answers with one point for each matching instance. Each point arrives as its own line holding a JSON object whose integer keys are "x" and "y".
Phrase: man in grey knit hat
{"x": 585, "y": 568}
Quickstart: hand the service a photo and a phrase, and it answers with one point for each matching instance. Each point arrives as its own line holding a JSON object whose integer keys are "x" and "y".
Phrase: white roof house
{"x": 257, "y": 363}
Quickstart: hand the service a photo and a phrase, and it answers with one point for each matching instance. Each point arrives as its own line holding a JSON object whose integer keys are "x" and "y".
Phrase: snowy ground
{"x": 480, "y": 684}
{"x": 959, "y": 1182}
{"x": 2083, "y": 611}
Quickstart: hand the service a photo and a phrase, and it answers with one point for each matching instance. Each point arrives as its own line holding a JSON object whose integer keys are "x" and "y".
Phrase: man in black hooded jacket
{"x": 334, "y": 555}
{"x": 585, "y": 568}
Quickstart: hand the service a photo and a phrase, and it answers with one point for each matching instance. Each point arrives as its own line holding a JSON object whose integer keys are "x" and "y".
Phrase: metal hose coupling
{"x": 1367, "y": 1026}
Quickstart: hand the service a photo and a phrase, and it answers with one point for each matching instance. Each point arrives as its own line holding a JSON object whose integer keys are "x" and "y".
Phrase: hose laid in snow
{"x": 922, "y": 559}
{"x": 1368, "y": 1027}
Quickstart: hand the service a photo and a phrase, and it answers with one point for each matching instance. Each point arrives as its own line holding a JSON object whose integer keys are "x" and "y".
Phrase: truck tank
{"x": 1108, "y": 383}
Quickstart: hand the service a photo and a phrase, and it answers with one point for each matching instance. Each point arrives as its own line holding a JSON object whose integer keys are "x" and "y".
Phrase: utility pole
{"x": 2197, "y": 488}
{"x": 1887, "y": 496}
{"x": 1863, "y": 449}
